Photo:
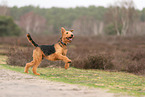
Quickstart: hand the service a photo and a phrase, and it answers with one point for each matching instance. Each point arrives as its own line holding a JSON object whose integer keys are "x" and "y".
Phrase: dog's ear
{"x": 72, "y": 30}
{"x": 62, "y": 30}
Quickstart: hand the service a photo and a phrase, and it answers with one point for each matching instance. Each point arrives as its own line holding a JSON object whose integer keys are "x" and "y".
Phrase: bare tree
{"x": 87, "y": 26}
{"x": 32, "y": 22}
{"x": 123, "y": 16}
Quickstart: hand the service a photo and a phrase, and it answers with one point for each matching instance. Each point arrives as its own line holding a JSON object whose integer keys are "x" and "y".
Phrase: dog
{"x": 53, "y": 52}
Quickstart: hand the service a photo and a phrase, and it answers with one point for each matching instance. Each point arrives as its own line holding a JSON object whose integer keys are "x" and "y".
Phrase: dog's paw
{"x": 69, "y": 62}
{"x": 26, "y": 71}
{"x": 36, "y": 73}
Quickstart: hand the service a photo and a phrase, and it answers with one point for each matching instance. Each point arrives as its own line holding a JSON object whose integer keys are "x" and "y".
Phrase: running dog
{"x": 53, "y": 52}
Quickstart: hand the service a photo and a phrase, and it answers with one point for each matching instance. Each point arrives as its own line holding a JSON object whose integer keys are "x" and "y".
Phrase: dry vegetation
{"x": 107, "y": 53}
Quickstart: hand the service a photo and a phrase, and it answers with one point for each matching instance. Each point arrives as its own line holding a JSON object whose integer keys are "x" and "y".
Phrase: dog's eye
{"x": 66, "y": 32}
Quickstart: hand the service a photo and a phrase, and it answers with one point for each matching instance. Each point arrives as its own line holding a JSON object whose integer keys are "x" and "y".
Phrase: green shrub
{"x": 8, "y": 27}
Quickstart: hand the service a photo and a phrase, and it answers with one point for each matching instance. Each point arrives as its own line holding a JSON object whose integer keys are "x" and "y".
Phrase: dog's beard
{"x": 69, "y": 38}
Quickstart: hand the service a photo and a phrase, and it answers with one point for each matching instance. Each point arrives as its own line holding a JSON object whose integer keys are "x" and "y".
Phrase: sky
{"x": 139, "y": 4}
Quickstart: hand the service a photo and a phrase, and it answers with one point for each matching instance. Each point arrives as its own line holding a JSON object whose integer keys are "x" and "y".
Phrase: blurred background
{"x": 89, "y": 17}
{"x": 109, "y": 34}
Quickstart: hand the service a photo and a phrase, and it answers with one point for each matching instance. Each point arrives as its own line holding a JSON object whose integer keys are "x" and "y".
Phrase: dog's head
{"x": 67, "y": 36}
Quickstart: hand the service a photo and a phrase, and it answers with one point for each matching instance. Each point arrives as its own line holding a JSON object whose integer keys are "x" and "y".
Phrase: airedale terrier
{"x": 53, "y": 52}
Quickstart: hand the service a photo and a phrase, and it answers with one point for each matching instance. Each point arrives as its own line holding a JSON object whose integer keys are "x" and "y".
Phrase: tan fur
{"x": 60, "y": 53}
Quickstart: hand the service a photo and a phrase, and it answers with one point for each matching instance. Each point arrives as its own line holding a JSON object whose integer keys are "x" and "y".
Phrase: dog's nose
{"x": 72, "y": 35}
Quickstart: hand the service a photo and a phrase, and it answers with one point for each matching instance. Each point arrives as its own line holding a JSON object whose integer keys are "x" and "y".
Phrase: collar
{"x": 61, "y": 43}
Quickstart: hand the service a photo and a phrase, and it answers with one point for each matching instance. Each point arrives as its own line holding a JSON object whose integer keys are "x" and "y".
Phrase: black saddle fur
{"x": 47, "y": 49}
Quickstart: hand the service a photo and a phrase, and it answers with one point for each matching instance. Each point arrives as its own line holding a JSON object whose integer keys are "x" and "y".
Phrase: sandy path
{"x": 15, "y": 84}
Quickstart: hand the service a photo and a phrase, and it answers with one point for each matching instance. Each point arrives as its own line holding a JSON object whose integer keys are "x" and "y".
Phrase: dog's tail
{"x": 31, "y": 40}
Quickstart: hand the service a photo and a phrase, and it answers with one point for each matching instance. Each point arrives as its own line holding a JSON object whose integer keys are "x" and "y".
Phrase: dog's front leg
{"x": 67, "y": 65}
{"x": 65, "y": 59}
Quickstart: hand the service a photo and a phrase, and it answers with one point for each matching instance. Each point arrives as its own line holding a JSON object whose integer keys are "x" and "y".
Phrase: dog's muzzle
{"x": 70, "y": 38}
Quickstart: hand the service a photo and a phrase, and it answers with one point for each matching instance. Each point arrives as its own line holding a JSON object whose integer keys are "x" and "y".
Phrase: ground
{"x": 15, "y": 84}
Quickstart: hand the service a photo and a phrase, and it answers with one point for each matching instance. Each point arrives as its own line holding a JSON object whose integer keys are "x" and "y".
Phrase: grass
{"x": 119, "y": 82}
{"x": 3, "y": 59}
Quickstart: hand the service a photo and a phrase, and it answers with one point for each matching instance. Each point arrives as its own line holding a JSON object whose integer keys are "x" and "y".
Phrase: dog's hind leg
{"x": 28, "y": 65}
{"x": 37, "y": 56}
{"x": 35, "y": 67}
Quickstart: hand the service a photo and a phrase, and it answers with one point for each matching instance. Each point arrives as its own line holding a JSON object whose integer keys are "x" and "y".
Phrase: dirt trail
{"x": 15, "y": 84}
